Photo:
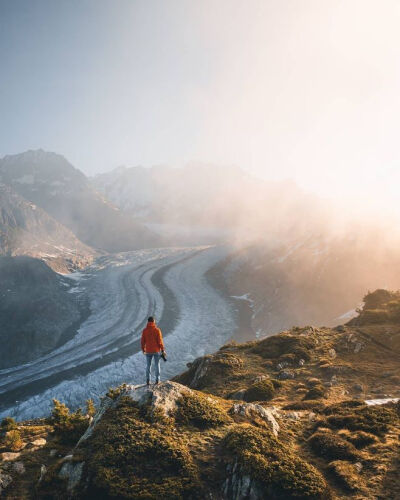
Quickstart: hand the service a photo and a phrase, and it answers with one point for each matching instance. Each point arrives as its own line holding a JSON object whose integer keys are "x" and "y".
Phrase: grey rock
{"x": 18, "y": 467}
{"x": 286, "y": 374}
{"x": 252, "y": 410}
{"x": 73, "y": 472}
{"x": 332, "y": 353}
{"x": 340, "y": 328}
{"x": 358, "y": 387}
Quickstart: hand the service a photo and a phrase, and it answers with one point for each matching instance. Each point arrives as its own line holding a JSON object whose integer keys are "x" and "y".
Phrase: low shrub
{"x": 8, "y": 424}
{"x": 263, "y": 390}
{"x": 278, "y": 471}
{"x": 68, "y": 427}
{"x": 12, "y": 440}
{"x": 346, "y": 475}
{"x": 361, "y": 439}
{"x": 283, "y": 344}
{"x": 332, "y": 447}
{"x": 316, "y": 392}
{"x": 372, "y": 419}
{"x": 201, "y": 411}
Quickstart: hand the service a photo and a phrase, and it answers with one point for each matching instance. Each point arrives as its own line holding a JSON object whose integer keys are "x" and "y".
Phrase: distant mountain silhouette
{"x": 49, "y": 181}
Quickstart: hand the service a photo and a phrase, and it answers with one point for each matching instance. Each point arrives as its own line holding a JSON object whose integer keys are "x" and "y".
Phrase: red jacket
{"x": 152, "y": 340}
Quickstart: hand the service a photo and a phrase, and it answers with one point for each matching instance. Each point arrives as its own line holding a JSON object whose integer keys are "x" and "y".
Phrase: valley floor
{"x": 123, "y": 289}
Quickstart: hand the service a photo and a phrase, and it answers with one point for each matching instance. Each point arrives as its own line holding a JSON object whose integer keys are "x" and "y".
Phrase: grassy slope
{"x": 354, "y": 448}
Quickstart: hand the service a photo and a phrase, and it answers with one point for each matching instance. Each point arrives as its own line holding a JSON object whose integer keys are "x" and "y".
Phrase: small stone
{"x": 332, "y": 353}
{"x": 260, "y": 378}
{"x": 293, "y": 415}
{"x": 358, "y": 347}
{"x": 301, "y": 362}
{"x": 358, "y": 466}
{"x": 340, "y": 328}
{"x": 53, "y": 453}
{"x": 286, "y": 375}
{"x": 8, "y": 456}
{"x": 358, "y": 387}
{"x": 312, "y": 416}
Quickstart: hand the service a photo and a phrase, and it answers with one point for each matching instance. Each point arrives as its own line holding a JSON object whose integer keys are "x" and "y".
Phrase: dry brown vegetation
{"x": 330, "y": 444}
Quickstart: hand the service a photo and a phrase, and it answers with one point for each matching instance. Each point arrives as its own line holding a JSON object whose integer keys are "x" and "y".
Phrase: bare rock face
{"x": 72, "y": 471}
{"x": 252, "y": 411}
{"x": 240, "y": 486}
{"x": 162, "y": 396}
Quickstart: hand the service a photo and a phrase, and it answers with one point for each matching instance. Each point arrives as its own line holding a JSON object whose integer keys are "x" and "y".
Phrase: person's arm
{"x": 143, "y": 342}
{"x": 160, "y": 341}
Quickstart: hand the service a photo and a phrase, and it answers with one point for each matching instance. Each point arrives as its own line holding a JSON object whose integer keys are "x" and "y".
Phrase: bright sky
{"x": 301, "y": 89}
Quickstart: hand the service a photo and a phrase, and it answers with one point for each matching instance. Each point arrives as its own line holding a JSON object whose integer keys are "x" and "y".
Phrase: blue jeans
{"x": 149, "y": 359}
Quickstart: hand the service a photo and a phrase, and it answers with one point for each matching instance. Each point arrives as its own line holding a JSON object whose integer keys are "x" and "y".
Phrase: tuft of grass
{"x": 346, "y": 475}
{"x": 332, "y": 447}
{"x": 263, "y": 390}
{"x": 68, "y": 427}
{"x": 360, "y": 417}
{"x": 12, "y": 440}
{"x": 277, "y": 469}
{"x": 283, "y": 344}
{"x": 201, "y": 411}
{"x": 315, "y": 392}
{"x": 8, "y": 424}
{"x": 360, "y": 439}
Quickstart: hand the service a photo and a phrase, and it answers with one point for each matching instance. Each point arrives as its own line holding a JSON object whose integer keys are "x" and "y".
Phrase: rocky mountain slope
{"x": 37, "y": 312}
{"x": 225, "y": 203}
{"x": 292, "y": 416}
{"x": 26, "y": 229}
{"x": 316, "y": 279}
{"x": 49, "y": 181}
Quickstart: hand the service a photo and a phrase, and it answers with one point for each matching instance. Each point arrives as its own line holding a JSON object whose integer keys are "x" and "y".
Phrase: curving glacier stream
{"x": 122, "y": 291}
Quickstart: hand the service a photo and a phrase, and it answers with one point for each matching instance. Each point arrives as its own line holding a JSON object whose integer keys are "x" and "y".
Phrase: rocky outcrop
{"x": 255, "y": 413}
{"x": 240, "y": 486}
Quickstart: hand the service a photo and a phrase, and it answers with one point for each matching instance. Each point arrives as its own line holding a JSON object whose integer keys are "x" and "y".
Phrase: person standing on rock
{"x": 152, "y": 347}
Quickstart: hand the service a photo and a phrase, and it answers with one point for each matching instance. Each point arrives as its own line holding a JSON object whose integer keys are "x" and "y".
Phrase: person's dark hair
{"x": 150, "y": 319}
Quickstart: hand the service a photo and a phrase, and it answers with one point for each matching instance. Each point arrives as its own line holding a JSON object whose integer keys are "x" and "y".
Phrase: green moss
{"x": 372, "y": 419}
{"x": 361, "y": 439}
{"x": 201, "y": 411}
{"x": 346, "y": 475}
{"x": 282, "y": 344}
{"x": 281, "y": 473}
{"x": 128, "y": 457}
{"x": 263, "y": 390}
{"x": 217, "y": 367}
{"x": 332, "y": 447}
{"x": 315, "y": 392}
